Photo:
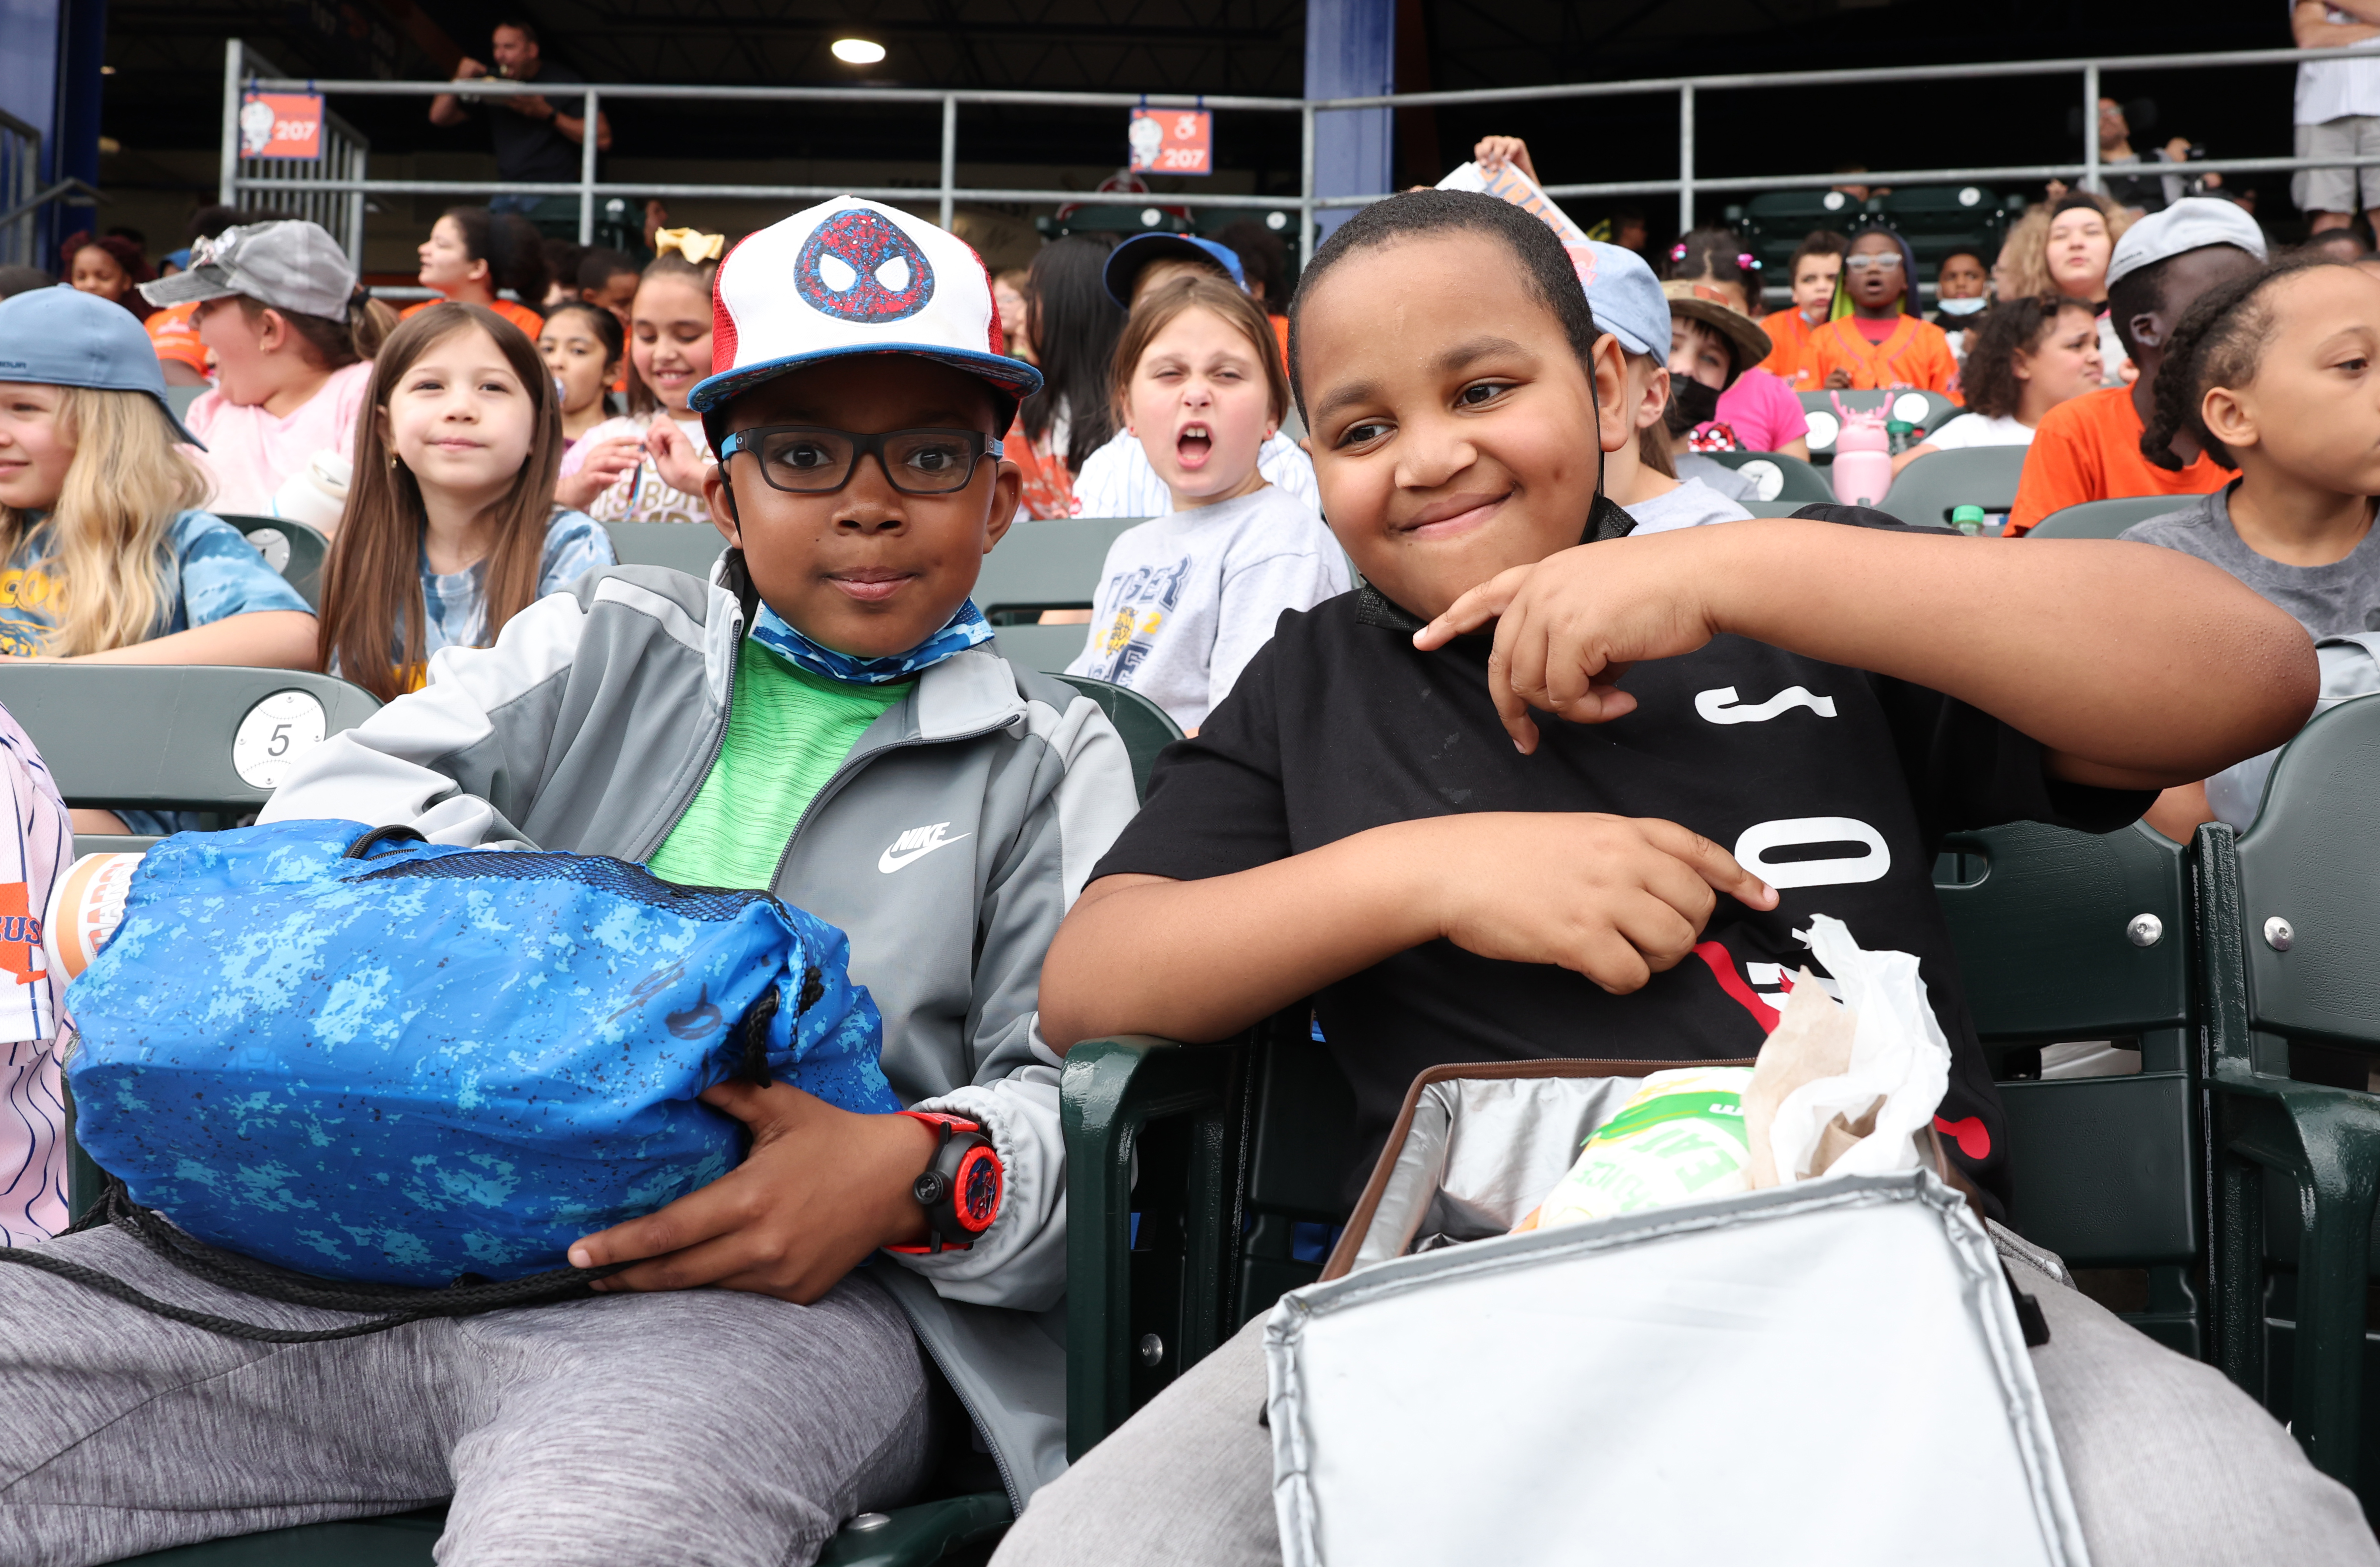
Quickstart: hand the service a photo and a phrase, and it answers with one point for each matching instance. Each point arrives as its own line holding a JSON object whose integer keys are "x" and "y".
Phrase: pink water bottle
{"x": 1863, "y": 456}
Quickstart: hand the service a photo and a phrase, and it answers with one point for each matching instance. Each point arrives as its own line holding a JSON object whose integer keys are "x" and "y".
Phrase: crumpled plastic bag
{"x": 1839, "y": 1088}
{"x": 1844, "y": 1089}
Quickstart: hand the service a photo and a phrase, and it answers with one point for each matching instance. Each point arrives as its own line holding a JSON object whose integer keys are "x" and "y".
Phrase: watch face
{"x": 978, "y": 1189}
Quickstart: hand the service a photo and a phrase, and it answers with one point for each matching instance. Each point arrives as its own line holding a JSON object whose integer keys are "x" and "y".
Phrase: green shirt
{"x": 788, "y": 731}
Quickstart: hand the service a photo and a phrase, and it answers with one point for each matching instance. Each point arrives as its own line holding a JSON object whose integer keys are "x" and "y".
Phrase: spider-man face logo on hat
{"x": 857, "y": 266}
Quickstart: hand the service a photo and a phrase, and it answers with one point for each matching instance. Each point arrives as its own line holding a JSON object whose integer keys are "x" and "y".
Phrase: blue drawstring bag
{"x": 439, "y": 1062}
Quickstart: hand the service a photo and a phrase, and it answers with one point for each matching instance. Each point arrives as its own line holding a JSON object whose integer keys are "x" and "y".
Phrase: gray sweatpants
{"x": 706, "y": 1425}
{"x": 2170, "y": 1463}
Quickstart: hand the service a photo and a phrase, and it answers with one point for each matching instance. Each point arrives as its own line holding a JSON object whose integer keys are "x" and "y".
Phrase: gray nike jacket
{"x": 948, "y": 846}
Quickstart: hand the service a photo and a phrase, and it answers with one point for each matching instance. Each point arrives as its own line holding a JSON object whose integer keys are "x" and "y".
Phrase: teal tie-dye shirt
{"x": 212, "y": 574}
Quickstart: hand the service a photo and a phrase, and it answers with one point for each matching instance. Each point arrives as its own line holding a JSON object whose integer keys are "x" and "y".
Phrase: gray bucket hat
{"x": 291, "y": 265}
{"x": 60, "y": 337}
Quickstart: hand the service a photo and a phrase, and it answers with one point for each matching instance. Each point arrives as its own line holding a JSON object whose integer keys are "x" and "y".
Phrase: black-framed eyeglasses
{"x": 811, "y": 460}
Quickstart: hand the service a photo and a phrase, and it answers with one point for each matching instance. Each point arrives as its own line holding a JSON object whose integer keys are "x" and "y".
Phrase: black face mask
{"x": 1691, "y": 403}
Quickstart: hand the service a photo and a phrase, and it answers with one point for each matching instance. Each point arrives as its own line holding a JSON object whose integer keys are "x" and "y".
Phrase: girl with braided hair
{"x": 2276, "y": 374}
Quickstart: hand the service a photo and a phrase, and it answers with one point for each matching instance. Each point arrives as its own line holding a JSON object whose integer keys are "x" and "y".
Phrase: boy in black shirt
{"x": 1374, "y": 818}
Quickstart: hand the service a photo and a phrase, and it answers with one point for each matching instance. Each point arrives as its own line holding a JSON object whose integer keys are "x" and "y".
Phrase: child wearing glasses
{"x": 825, "y": 720}
{"x": 1876, "y": 338}
{"x": 1186, "y": 600}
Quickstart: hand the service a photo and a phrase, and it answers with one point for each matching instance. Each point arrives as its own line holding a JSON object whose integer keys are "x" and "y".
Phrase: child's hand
{"x": 608, "y": 462}
{"x": 1839, "y": 380}
{"x": 821, "y": 1188}
{"x": 679, "y": 462}
{"x": 1494, "y": 152}
{"x": 1615, "y": 898}
{"x": 1568, "y": 626}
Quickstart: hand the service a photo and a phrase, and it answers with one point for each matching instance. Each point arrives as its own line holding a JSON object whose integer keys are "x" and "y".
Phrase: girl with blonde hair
{"x": 108, "y": 556}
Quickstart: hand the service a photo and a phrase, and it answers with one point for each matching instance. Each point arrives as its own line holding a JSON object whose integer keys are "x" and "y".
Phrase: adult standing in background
{"x": 536, "y": 139}
{"x": 2338, "y": 111}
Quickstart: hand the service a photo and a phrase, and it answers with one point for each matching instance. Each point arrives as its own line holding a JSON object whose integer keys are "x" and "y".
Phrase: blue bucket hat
{"x": 62, "y": 337}
{"x": 1127, "y": 262}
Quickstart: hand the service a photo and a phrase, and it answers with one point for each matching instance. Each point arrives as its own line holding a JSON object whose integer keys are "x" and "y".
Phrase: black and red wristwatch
{"x": 960, "y": 1189}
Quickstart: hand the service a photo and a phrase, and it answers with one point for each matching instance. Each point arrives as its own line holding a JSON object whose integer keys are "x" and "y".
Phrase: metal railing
{"x": 328, "y": 189}
{"x": 22, "y": 194}
{"x": 1687, "y": 185}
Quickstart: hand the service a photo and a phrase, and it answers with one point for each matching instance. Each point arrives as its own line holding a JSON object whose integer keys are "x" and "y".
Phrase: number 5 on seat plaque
{"x": 1173, "y": 141}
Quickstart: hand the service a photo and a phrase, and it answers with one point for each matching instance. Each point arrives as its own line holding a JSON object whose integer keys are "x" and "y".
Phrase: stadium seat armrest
{"x": 1112, "y": 1092}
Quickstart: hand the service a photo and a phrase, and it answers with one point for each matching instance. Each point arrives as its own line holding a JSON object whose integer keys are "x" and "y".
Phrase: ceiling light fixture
{"x": 859, "y": 52}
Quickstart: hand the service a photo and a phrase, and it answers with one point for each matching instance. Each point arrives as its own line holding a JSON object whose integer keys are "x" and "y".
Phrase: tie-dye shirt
{"x": 36, "y": 844}
{"x": 212, "y": 574}
{"x": 456, "y": 601}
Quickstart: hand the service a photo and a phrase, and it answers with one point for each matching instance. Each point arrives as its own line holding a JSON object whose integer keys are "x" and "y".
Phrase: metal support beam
{"x": 586, "y": 138}
{"x": 1685, "y": 157}
{"x": 227, "y": 179}
{"x": 949, "y": 156}
{"x": 2090, "y": 127}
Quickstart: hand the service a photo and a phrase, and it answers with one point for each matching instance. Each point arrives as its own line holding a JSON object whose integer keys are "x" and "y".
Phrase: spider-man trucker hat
{"x": 849, "y": 276}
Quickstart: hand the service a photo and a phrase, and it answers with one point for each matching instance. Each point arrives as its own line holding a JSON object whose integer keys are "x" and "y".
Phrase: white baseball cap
{"x": 849, "y": 276}
{"x": 2192, "y": 223}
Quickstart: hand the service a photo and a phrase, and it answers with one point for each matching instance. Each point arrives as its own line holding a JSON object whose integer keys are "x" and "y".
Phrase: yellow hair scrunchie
{"x": 692, "y": 243}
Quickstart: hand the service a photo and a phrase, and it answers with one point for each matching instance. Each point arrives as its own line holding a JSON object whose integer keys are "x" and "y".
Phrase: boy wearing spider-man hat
{"x": 825, "y": 718}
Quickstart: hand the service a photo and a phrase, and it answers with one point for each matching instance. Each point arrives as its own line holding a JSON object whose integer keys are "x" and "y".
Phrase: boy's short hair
{"x": 601, "y": 264}
{"x": 1818, "y": 242}
{"x": 1199, "y": 291}
{"x": 1543, "y": 261}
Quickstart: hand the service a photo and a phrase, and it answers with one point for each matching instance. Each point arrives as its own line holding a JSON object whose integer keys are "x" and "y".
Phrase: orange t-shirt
{"x": 529, "y": 320}
{"x": 1916, "y": 354}
{"x": 1789, "y": 356}
{"x": 1280, "y": 335}
{"x": 175, "y": 336}
{"x": 2089, "y": 449}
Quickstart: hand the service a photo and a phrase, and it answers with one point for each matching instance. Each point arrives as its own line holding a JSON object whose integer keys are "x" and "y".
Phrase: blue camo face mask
{"x": 965, "y": 628}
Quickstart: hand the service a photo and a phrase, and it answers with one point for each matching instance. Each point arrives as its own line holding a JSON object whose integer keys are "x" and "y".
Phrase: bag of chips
{"x": 1681, "y": 1135}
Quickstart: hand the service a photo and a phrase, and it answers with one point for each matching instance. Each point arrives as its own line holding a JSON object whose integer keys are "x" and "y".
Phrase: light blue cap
{"x": 1627, "y": 298}
{"x": 62, "y": 337}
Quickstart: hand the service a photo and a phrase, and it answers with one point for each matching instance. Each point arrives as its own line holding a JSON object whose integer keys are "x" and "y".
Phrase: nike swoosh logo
{"x": 891, "y": 860}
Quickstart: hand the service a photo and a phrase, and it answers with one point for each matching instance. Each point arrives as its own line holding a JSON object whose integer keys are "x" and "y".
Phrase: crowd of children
{"x": 1463, "y": 761}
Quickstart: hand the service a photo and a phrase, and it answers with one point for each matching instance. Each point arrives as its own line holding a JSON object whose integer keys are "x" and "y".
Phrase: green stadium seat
{"x": 1782, "y": 478}
{"x": 1775, "y": 224}
{"x": 1145, "y": 727}
{"x": 1939, "y": 219}
{"x": 1132, "y": 214}
{"x": 1052, "y": 564}
{"x": 161, "y": 737}
{"x": 677, "y": 545}
{"x": 1924, "y": 493}
{"x": 2105, "y": 519}
{"x": 179, "y": 398}
{"x": 1925, "y": 411}
{"x": 2071, "y": 936}
{"x": 2290, "y": 926}
{"x": 294, "y": 549}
